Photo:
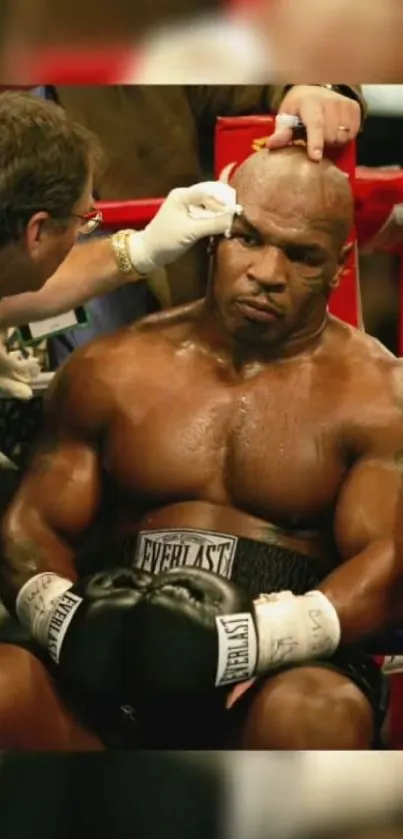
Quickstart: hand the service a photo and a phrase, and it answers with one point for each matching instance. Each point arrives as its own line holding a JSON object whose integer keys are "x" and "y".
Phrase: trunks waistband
{"x": 256, "y": 566}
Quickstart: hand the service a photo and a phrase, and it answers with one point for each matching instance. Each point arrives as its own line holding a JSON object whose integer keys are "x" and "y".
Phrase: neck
{"x": 13, "y": 272}
{"x": 242, "y": 351}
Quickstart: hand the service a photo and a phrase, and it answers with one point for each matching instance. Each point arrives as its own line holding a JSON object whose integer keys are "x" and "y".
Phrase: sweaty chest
{"x": 265, "y": 447}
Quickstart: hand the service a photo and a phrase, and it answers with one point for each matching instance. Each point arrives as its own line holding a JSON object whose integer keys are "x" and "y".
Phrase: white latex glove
{"x": 187, "y": 215}
{"x": 17, "y": 374}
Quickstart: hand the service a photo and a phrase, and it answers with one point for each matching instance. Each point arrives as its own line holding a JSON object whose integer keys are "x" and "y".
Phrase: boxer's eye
{"x": 248, "y": 240}
{"x": 305, "y": 256}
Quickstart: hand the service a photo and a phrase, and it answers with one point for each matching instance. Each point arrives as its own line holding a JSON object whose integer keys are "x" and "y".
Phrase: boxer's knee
{"x": 308, "y": 708}
{"x": 32, "y": 715}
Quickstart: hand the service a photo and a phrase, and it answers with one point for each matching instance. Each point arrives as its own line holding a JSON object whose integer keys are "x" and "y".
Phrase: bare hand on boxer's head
{"x": 329, "y": 119}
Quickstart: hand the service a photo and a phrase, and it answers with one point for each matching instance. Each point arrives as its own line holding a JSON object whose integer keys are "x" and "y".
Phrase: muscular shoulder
{"x": 371, "y": 380}
{"x": 80, "y": 395}
{"x": 363, "y": 358}
{"x": 90, "y": 383}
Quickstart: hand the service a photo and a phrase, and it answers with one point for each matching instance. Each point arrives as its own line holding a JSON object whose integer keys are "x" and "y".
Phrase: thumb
{"x": 280, "y": 139}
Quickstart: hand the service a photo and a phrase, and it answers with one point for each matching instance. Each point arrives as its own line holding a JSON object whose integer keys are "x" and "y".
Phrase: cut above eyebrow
{"x": 245, "y": 222}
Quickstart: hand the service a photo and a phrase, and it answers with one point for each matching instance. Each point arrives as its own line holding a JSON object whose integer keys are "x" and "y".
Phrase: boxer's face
{"x": 284, "y": 256}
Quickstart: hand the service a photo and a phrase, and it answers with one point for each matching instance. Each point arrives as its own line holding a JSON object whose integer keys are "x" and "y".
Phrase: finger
{"x": 280, "y": 139}
{"x": 312, "y": 116}
{"x": 332, "y": 134}
{"x": 348, "y": 123}
{"x": 350, "y": 116}
{"x": 214, "y": 196}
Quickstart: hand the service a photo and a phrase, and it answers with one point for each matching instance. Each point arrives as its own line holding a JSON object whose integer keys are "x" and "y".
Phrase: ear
{"x": 34, "y": 231}
{"x": 343, "y": 257}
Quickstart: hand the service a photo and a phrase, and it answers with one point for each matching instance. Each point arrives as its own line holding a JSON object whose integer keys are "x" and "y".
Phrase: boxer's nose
{"x": 268, "y": 269}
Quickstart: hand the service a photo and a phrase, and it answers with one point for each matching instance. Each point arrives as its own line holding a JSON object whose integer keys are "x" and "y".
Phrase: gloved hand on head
{"x": 187, "y": 215}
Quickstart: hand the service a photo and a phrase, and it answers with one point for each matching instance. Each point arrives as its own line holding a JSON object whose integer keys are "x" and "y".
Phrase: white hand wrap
{"x": 293, "y": 629}
{"x": 186, "y": 216}
{"x": 284, "y": 630}
{"x": 45, "y": 606}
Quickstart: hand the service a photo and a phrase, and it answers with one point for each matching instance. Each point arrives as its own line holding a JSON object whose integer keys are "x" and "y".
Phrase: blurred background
{"x": 360, "y": 40}
{"x": 381, "y": 145}
{"x": 228, "y": 795}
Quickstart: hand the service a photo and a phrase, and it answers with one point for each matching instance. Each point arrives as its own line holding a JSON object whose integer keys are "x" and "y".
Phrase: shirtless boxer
{"x": 249, "y": 434}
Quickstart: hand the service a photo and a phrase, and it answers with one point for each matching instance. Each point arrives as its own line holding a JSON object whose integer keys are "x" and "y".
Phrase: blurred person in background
{"x": 86, "y": 38}
{"x": 272, "y": 40}
{"x": 49, "y": 23}
{"x": 335, "y": 39}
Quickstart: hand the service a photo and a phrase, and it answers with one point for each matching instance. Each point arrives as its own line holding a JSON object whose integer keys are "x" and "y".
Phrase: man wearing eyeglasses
{"x": 47, "y": 166}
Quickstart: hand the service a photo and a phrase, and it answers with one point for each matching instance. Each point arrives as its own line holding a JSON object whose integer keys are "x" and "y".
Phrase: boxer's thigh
{"x": 302, "y": 708}
{"x": 33, "y": 717}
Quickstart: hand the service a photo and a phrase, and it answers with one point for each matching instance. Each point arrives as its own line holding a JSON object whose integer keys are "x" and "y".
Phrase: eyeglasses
{"x": 90, "y": 222}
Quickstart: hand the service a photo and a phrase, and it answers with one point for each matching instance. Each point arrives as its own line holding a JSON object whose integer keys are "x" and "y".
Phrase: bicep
{"x": 62, "y": 487}
{"x": 366, "y": 507}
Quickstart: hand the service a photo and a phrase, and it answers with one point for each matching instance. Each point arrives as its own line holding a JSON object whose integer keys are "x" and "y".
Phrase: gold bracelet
{"x": 119, "y": 242}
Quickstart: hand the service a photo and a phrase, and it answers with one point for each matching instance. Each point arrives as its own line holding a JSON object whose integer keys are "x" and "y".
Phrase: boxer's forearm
{"x": 89, "y": 270}
{"x": 367, "y": 592}
{"x": 29, "y": 548}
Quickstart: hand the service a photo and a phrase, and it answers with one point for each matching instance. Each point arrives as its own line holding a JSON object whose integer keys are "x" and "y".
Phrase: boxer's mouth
{"x": 255, "y": 310}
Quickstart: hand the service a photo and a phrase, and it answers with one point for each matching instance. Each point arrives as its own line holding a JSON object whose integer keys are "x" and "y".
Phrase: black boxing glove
{"x": 173, "y": 635}
{"x": 192, "y": 631}
{"x": 82, "y": 626}
{"x": 133, "y": 636}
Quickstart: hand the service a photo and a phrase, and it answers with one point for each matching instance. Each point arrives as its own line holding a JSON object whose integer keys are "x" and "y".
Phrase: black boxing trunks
{"x": 256, "y": 566}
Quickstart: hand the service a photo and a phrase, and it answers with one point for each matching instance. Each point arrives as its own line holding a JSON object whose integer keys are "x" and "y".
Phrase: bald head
{"x": 289, "y": 183}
